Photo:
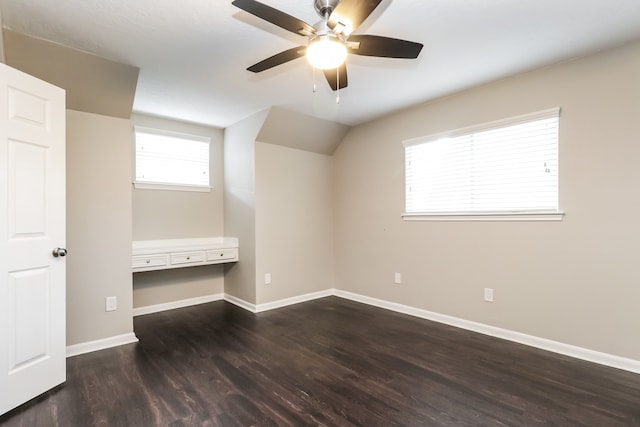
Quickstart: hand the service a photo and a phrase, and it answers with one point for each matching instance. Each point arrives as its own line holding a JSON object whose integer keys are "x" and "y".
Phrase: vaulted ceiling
{"x": 193, "y": 54}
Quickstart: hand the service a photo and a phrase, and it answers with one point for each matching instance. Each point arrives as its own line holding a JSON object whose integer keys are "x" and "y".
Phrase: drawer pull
{"x": 148, "y": 261}
{"x": 188, "y": 258}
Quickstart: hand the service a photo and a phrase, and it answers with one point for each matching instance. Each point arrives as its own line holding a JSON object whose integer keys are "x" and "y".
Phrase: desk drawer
{"x": 187, "y": 257}
{"x": 221, "y": 254}
{"x": 146, "y": 261}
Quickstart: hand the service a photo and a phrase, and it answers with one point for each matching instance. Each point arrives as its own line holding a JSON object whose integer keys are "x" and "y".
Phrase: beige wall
{"x": 158, "y": 287}
{"x": 92, "y": 84}
{"x": 165, "y": 214}
{"x": 240, "y": 204}
{"x": 278, "y": 202}
{"x": 98, "y": 226}
{"x": 295, "y": 130}
{"x": 575, "y": 281}
{"x": 294, "y": 222}
{"x": 2, "y": 60}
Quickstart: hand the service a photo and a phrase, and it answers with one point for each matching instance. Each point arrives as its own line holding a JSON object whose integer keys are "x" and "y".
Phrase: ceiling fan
{"x": 331, "y": 39}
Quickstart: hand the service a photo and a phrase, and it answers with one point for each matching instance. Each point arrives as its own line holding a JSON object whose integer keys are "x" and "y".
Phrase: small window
{"x": 508, "y": 167}
{"x": 170, "y": 160}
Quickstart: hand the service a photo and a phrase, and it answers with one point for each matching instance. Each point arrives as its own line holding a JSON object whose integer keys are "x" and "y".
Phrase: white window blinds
{"x": 168, "y": 158}
{"x": 508, "y": 166}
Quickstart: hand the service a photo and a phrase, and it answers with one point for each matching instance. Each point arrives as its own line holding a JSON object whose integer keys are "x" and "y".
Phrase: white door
{"x": 32, "y": 225}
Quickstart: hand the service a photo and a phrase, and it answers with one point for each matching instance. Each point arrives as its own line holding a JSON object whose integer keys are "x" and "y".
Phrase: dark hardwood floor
{"x": 329, "y": 362}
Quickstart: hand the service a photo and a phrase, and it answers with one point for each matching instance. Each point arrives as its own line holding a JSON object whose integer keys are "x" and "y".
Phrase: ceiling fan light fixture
{"x": 326, "y": 52}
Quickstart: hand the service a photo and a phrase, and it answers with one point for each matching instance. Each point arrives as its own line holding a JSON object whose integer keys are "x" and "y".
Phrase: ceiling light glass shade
{"x": 325, "y": 53}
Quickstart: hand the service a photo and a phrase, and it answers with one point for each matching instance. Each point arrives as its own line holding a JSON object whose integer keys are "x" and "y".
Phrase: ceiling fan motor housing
{"x": 325, "y": 7}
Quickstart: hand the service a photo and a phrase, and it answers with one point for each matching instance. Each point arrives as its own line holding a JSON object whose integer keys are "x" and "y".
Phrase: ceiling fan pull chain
{"x": 338, "y": 85}
{"x": 314, "y": 79}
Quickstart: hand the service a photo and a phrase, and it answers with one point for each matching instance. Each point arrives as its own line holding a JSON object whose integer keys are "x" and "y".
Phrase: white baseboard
{"x": 148, "y": 309}
{"x": 530, "y": 340}
{"x": 294, "y": 300}
{"x": 101, "y": 344}
{"x": 606, "y": 359}
{"x": 240, "y": 303}
{"x": 279, "y": 303}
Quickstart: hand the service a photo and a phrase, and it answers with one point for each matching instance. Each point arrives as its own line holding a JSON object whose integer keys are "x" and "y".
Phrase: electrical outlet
{"x": 267, "y": 279}
{"x": 110, "y": 304}
{"x": 488, "y": 294}
{"x": 397, "y": 278}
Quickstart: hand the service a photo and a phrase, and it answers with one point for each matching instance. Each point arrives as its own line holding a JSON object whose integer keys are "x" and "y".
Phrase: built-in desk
{"x": 149, "y": 255}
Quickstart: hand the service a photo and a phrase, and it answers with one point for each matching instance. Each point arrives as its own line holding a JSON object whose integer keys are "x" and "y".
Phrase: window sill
{"x": 171, "y": 187}
{"x": 492, "y": 216}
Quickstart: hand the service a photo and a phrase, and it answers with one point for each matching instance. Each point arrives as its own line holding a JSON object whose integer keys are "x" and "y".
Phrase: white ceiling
{"x": 192, "y": 54}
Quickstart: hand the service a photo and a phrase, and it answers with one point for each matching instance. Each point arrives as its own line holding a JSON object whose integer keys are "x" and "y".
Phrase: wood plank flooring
{"x": 328, "y": 362}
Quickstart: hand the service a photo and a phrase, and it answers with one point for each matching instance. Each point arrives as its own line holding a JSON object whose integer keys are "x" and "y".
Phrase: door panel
{"x": 32, "y": 224}
{"x": 27, "y": 107}
{"x": 27, "y": 190}
{"x": 29, "y": 317}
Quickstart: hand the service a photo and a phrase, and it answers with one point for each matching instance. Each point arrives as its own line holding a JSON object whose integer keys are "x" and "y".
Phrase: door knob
{"x": 59, "y": 252}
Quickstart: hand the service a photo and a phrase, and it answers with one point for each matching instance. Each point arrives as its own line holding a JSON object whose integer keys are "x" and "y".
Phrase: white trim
{"x": 101, "y": 344}
{"x": 171, "y": 133}
{"x": 171, "y": 187}
{"x": 606, "y": 359}
{"x": 240, "y": 303}
{"x": 144, "y": 247}
{"x": 496, "y": 216}
{"x": 294, "y": 300}
{"x": 172, "y": 305}
{"x": 538, "y": 115}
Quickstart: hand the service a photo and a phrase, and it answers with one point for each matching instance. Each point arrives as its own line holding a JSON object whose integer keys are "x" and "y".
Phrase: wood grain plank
{"x": 329, "y": 362}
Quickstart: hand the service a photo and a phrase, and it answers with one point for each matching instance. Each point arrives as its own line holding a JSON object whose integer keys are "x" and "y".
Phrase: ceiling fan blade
{"x": 276, "y": 17}
{"x": 334, "y": 79}
{"x": 278, "y": 59}
{"x": 384, "y": 46}
{"x": 349, "y": 14}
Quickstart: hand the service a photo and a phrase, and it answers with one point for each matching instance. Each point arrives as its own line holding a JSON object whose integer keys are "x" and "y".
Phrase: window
{"x": 170, "y": 160}
{"x": 507, "y": 168}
